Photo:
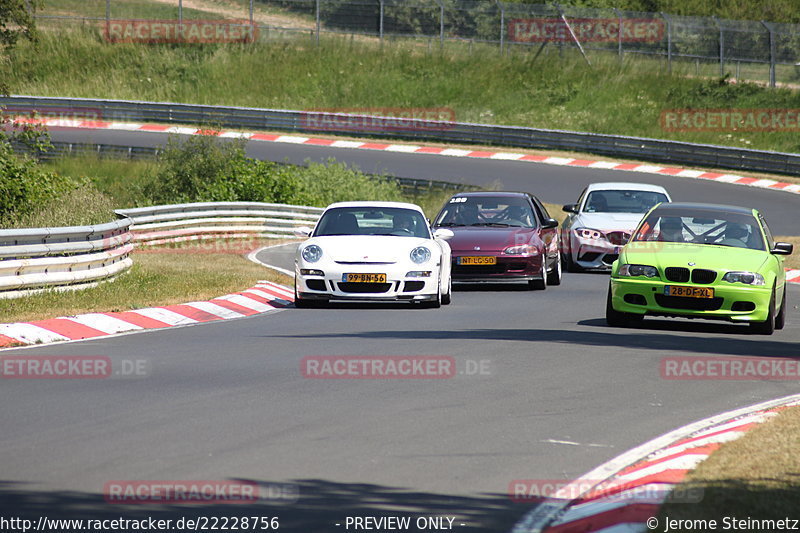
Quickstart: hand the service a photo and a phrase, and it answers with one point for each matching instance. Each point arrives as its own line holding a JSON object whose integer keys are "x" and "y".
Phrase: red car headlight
{"x": 521, "y": 249}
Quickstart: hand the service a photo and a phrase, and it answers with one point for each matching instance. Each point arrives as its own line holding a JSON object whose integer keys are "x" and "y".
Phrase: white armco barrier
{"x": 170, "y": 223}
{"x": 33, "y": 260}
{"x": 36, "y": 259}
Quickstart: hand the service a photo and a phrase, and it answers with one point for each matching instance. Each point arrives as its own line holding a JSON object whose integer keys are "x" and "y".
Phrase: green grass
{"x": 121, "y": 179}
{"x": 129, "y": 9}
{"x": 755, "y": 476}
{"x": 550, "y": 92}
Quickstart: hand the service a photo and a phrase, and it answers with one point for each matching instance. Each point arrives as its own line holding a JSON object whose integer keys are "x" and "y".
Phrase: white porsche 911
{"x": 373, "y": 251}
{"x": 601, "y": 222}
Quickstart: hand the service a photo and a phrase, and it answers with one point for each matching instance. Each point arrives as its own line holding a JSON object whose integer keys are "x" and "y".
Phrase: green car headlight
{"x": 748, "y": 278}
{"x": 638, "y": 270}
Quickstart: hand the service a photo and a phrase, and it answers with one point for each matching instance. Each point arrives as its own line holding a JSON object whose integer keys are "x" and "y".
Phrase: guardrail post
{"x": 380, "y": 20}
{"x": 317, "y": 17}
{"x": 771, "y": 53}
{"x": 441, "y": 23}
{"x": 669, "y": 41}
{"x": 619, "y": 35}
{"x": 721, "y": 46}
{"x": 502, "y": 24}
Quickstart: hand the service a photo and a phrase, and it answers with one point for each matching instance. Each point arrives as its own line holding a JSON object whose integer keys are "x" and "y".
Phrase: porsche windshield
{"x": 393, "y": 221}
{"x": 702, "y": 227}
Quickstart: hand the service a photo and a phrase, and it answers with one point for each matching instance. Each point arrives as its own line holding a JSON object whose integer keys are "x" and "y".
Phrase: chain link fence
{"x": 747, "y": 50}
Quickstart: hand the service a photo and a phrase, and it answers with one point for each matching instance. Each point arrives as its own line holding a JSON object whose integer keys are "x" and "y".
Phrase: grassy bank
{"x": 764, "y": 486}
{"x": 549, "y": 92}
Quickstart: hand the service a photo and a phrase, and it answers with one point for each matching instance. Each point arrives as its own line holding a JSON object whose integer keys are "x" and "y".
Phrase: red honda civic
{"x": 502, "y": 236}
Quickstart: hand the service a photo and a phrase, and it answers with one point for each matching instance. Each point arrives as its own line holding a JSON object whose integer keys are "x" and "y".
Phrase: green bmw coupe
{"x": 700, "y": 261}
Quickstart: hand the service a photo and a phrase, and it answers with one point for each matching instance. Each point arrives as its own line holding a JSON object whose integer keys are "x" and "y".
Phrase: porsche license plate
{"x": 691, "y": 292}
{"x": 477, "y": 260}
{"x": 364, "y": 278}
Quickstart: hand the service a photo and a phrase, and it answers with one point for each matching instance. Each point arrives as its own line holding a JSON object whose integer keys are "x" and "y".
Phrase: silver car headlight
{"x": 590, "y": 234}
{"x": 311, "y": 253}
{"x": 638, "y": 270}
{"x": 748, "y": 278}
{"x": 420, "y": 254}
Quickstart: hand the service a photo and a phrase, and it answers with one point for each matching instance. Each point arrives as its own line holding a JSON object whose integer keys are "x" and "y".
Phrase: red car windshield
{"x": 486, "y": 211}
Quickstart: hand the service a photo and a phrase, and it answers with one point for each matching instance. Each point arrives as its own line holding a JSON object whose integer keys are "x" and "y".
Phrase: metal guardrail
{"x": 641, "y": 148}
{"x": 206, "y": 220}
{"x": 37, "y": 259}
{"x": 32, "y": 260}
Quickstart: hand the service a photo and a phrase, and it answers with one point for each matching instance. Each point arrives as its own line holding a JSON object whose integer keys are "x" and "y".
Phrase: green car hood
{"x": 712, "y": 257}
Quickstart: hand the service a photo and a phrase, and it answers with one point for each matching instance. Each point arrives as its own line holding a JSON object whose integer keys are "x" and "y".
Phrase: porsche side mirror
{"x": 782, "y": 248}
{"x": 303, "y": 232}
{"x": 570, "y": 208}
{"x": 443, "y": 233}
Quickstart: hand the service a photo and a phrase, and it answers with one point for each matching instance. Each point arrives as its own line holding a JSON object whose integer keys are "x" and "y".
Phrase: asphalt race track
{"x": 544, "y": 389}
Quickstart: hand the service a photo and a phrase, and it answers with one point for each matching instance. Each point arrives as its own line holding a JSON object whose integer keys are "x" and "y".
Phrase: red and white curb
{"x": 793, "y": 276}
{"x": 264, "y": 297}
{"x": 636, "y": 484}
{"x": 415, "y": 149}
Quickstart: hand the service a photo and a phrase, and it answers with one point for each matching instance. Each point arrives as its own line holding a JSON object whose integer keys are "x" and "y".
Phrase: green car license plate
{"x": 690, "y": 292}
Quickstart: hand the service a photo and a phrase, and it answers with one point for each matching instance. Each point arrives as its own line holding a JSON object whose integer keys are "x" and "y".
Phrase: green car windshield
{"x": 718, "y": 228}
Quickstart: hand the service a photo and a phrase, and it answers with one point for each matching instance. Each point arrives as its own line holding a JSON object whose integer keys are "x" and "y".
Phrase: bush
{"x": 81, "y": 205}
{"x": 203, "y": 169}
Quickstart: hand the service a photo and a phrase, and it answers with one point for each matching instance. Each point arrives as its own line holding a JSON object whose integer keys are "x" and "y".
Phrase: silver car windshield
{"x": 613, "y": 201}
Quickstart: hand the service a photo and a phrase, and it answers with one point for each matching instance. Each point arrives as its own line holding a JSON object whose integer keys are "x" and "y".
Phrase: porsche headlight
{"x": 312, "y": 253}
{"x": 590, "y": 234}
{"x": 748, "y": 278}
{"x": 522, "y": 249}
{"x": 420, "y": 254}
{"x": 638, "y": 270}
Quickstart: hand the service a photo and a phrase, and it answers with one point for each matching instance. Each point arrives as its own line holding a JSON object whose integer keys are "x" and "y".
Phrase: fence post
{"x": 619, "y": 34}
{"x": 251, "y": 13}
{"x": 502, "y": 24}
{"x": 441, "y": 23}
{"x": 317, "y": 17}
{"x": 380, "y": 20}
{"x": 771, "y": 53}
{"x": 108, "y": 15}
{"x": 721, "y": 46}
{"x": 669, "y": 41}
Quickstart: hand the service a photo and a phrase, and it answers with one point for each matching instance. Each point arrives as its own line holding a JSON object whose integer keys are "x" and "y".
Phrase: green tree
{"x": 16, "y": 21}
